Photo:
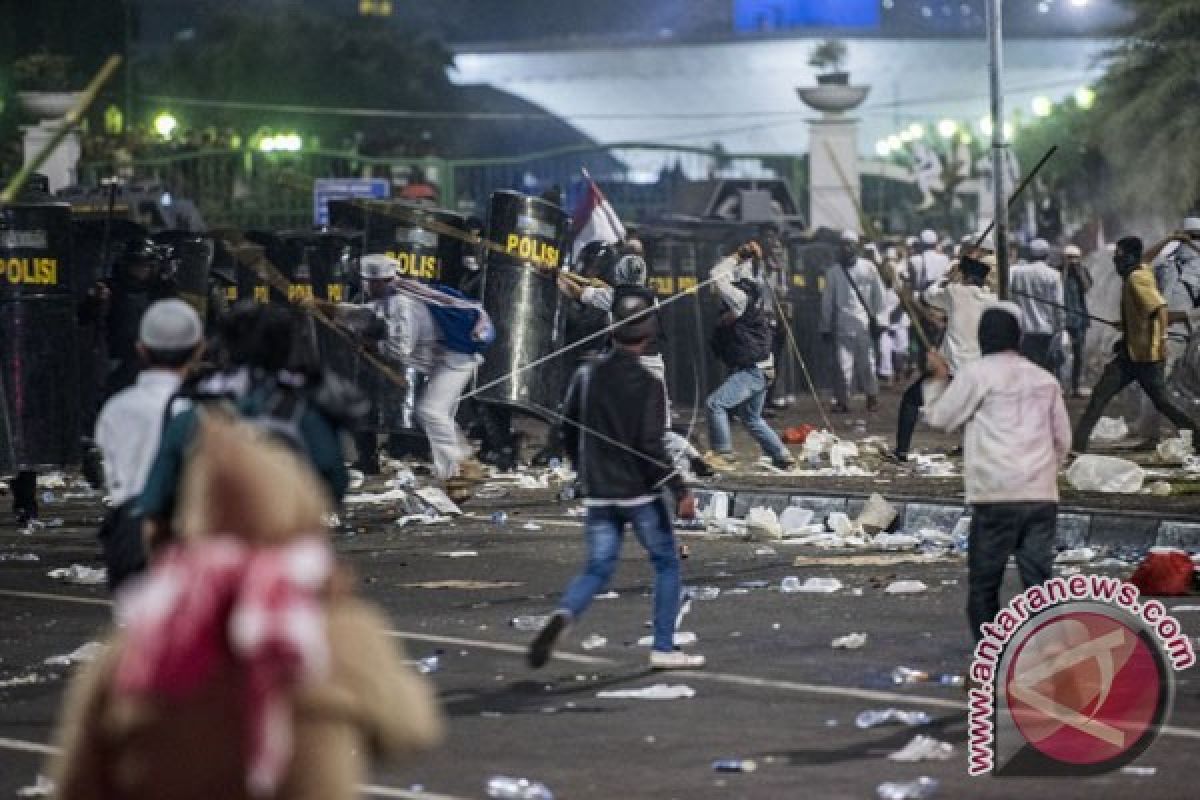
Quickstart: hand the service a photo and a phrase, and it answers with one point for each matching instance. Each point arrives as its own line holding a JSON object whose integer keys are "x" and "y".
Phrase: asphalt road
{"x": 774, "y": 690}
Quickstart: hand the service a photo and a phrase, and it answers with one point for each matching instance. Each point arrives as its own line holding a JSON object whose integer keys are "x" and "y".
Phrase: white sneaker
{"x": 676, "y": 659}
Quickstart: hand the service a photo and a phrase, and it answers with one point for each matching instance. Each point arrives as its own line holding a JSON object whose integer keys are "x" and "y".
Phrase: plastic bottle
{"x": 869, "y": 719}
{"x": 502, "y": 787}
{"x": 790, "y": 584}
{"x": 919, "y": 789}
{"x": 901, "y": 675}
{"x": 427, "y": 665}
{"x": 529, "y": 622}
{"x": 735, "y": 765}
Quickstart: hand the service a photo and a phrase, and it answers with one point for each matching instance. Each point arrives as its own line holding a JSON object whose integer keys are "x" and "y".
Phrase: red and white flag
{"x": 595, "y": 220}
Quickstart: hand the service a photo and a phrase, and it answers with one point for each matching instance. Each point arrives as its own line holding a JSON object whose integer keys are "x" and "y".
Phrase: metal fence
{"x": 252, "y": 189}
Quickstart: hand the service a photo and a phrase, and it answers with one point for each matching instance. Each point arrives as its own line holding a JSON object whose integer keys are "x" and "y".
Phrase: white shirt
{"x": 1038, "y": 290}
{"x": 841, "y": 309}
{"x": 128, "y": 430}
{"x": 1017, "y": 430}
{"x": 1177, "y": 271}
{"x": 928, "y": 268}
{"x": 963, "y": 305}
{"x": 412, "y": 335}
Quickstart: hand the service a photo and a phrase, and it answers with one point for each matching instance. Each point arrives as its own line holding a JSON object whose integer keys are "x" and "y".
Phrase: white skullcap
{"x": 929, "y": 237}
{"x": 378, "y": 267}
{"x": 1191, "y": 224}
{"x": 170, "y": 325}
{"x": 849, "y": 235}
{"x": 1039, "y": 247}
{"x": 1072, "y": 250}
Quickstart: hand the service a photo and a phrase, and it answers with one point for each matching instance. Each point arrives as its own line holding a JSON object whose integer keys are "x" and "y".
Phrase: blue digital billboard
{"x": 751, "y": 16}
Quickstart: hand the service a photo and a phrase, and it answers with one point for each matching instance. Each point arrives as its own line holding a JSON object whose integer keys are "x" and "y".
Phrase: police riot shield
{"x": 393, "y": 229}
{"x": 39, "y": 366}
{"x": 520, "y": 294}
{"x": 192, "y": 257}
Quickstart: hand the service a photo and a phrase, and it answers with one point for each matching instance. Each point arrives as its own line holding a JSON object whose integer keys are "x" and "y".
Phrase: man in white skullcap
{"x": 401, "y": 315}
{"x": 927, "y": 267}
{"x": 1077, "y": 282}
{"x": 851, "y": 307}
{"x": 1037, "y": 289}
{"x": 170, "y": 340}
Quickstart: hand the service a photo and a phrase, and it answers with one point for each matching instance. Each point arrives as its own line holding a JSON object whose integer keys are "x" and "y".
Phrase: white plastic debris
{"x": 923, "y": 748}
{"x": 659, "y": 691}
{"x": 851, "y": 641}
{"x": 682, "y": 639}
{"x": 458, "y": 553}
{"x": 922, "y": 788}
{"x": 818, "y": 443}
{"x": 376, "y": 498}
{"x": 19, "y": 557}
{"x": 791, "y": 584}
{"x": 935, "y": 465}
{"x": 355, "y": 478}
{"x": 1106, "y": 474}
{"x": 1177, "y": 450}
{"x": 438, "y": 499}
{"x": 842, "y": 525}
{"x": 79, "y": 574}
{"x": 869, "y": 719}
{"x": 525, "y": 481}
{"x": 932, "y": 537}
{"x": 717, "y": 507}
{"x": 895, "y": 541}
{"x": 840, "y": 452}
{"x": 905, "y": 587}
{"x": 1158, "y": 489}
{"x": 403, "y": 478}
{"x": 1077, "y": 555}
{"x": 531, "y": 526}
{"x": 52, "y": 480}
{"x": 84, "y": 653}
{"x": 877, "y": 514}
{"x": 795, "y": 519}
{"x": 763, "y": 525}
{"x": 1109, "y": 430}
{"x": 1141, "y": 772}
{"x": 593, "y": 641}
{"x": 42, "y": 787}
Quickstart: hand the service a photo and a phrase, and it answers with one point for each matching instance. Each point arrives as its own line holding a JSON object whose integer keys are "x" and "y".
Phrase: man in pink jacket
{"x": 1017, "y": 436}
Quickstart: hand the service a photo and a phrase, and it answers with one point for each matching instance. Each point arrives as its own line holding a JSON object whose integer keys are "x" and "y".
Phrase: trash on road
{"x": 763, "y": 525}
{"x": 905, "y": 587}
{"x": 734, "y": 765}
{"x": 461, "y": 584}
{"x": 791, "y": 584}
{"x": 1109, "y": 430}
{"x": 1158, "y": 489}
{"x": 1165, "y": 572}
{"x": 439, "y": 500}
{"x": 896, "y": 541}
{"x": 593, "y": 642}
{"x": 19, "y": 557}
{"x": 1141, "y": 772}
{"x": 659, "y": 691}
{"x": 531, "y": 526}
{"x": 682, "y": 639}
{"x": 1106, "y": 474}
{"x": 84, "y": 653}
{"x": 851, "y": 641}
{"x": 42, "y": 787}
{"x": 794, "y": 519}
{"x": 52, "y": 480}
{"x": 920, "y": 789}
{"x": 79, "y": 574}
{"x": 923, "y": 748}
{"x": 840, "y": 452}
{"x": 458, "y": 553}
{"x": 427, "y": 665}
{"x": 529, "y": 623}
{"x": 502, "y": 787}
{"x": 877, "y": 515}
{"x": 872, "y": 718}
{"x": 1177, "y": 450}
{"x": 701, "y": 592}
{"x": 797, "y": 434}
{"x": 1076, "y": 555}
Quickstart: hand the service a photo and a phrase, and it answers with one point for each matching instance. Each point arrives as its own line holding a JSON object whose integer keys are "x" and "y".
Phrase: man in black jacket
{"x": 742, "y": 341}
{"x": 614, "y": 420}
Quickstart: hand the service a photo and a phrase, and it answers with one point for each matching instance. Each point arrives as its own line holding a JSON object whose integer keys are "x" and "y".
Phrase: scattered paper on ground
{"x": 659, "y": 691}
{"x": 924, "y": 748}
{"x": 84, "y": 653}
{"x": 79, "y": 574}
{"x": 851, "y": 641}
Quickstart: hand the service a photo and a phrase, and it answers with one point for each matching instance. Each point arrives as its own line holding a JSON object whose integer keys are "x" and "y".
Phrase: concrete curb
{"x": 1077, "y": 527}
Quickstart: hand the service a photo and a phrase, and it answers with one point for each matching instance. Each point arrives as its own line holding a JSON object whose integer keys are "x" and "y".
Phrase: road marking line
{"x": 370, "y": 790}
{"x": 66, "y": 598}
{"x": 716, "y": 677}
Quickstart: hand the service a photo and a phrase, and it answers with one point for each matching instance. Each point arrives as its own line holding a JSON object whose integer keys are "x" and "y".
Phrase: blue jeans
{"x": 604, "y": 527}
{"x": 744, "y": 393}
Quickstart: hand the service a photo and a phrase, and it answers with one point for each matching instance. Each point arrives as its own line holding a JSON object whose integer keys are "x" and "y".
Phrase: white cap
{"x": 1072, "y": 251}
{"x": 929, "y": 237}
{"x": 1191, "y": 224}
{"x": 170, "y": 325}
{"x": 1039, "y": 247}
{"x": 378, "y": 267}
{"x": 849, "y": 235}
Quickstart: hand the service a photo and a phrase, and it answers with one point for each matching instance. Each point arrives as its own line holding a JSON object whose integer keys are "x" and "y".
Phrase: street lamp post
{"x": 995, "y": 31}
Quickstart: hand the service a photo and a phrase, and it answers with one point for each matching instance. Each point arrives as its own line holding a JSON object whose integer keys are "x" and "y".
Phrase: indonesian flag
{"x": 595, "y": 220}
